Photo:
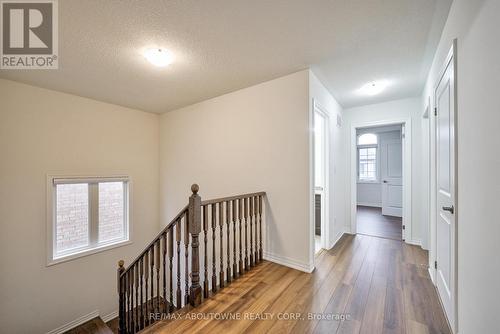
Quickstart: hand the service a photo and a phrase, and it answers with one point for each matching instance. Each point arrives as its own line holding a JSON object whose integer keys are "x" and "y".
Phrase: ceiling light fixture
{"x": 374, "y": 87}
{"x": 158, "y": 57}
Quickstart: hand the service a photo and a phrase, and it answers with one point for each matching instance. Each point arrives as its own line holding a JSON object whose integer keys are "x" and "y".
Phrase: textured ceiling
{"x": 221, "y": 46}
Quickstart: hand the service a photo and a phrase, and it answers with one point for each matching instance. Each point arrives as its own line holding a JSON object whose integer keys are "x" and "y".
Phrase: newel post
{"x": 194, "y": 222}
{"x": 121, "y": 298}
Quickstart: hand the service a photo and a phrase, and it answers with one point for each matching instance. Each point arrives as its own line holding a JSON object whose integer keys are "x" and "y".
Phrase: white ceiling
{"x": 224, "y": 45}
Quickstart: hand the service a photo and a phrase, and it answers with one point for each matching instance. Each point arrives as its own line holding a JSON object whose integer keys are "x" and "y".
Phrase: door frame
{"x": 325, "y": 228}
{"x": 407, "y": 172}
{"x": 451, "y": 58}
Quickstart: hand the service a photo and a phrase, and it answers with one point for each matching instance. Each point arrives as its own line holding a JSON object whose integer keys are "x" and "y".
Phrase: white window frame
{"x": 377, "y": 162}
{"x": 94, "y": 246}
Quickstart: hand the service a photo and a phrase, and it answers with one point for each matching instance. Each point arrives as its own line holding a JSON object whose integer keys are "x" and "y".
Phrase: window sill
{"x": 51, "y": 261}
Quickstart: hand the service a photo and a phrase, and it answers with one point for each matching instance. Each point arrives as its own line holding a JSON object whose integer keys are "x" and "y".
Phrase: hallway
{"x": 370, "y": 221}
{"x": 376, "y": 285}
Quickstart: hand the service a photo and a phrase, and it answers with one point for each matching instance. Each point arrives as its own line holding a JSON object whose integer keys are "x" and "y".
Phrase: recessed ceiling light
{"x": 158, "y": 57}
{"x": 373, "y": 88}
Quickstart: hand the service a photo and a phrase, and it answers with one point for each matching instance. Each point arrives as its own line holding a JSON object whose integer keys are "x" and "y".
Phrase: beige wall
{"x": 250, "y": 140}
{"x": 43, "y": 132}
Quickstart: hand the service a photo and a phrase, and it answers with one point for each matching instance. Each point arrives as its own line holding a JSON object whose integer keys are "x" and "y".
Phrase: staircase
{"x": 173, "y": 271}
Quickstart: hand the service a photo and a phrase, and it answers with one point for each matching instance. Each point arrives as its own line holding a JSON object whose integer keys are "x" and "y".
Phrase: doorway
{"x": 379, "y": 164}
{"x": 321, "y": 177}
{"x": 381, "y": 178}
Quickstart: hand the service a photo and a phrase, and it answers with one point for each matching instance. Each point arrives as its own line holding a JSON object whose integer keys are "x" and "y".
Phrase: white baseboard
{"x": 288, "y": 262}
{"x": 75, "y": 323}
{"x": 83, "y": 319}
{"x": 110, "y": 316}
{"x": 431, "y": 275}
{"x": 416, "y": 242}
{"x": 373, "y": 205}
{"x": 337, "y": 238}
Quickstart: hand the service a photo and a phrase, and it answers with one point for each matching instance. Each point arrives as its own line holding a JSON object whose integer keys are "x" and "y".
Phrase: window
{"x": 367, "y": 158}
{"x": 87, "y": 215}
{"x": 367, "y": 139}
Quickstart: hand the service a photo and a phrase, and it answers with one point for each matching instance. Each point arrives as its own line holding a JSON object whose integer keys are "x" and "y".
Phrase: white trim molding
{"x": 294, "y": 264}
{"x": 83, "y": 319}
{"x": 326, "y": 212}
{"x": 288, "y": 262}
{"x": 75, "y": 323}
{"x": 110, "y": 316}
{"x": 416, "y": 242}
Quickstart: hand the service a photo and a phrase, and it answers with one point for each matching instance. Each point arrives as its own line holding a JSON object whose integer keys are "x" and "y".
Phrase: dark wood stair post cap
{"x": 121, "y": 263}
{"x": 195, "y": 188}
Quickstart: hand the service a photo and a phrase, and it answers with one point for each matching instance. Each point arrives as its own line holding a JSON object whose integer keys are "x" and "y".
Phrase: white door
{"x": 391, "y": 170}
{"x": 445, "y": 222}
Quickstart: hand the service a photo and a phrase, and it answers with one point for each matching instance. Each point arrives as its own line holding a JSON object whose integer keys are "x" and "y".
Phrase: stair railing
{"x": 146, "y": 287}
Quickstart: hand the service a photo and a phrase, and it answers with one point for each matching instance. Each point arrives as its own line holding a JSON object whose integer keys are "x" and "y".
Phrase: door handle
{"x": 385, "y": 181}
{"x": 450, "y": 209}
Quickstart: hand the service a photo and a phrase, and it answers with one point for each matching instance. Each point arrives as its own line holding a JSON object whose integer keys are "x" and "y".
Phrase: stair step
{"x": 113, "y": 324}
{"x": 93, "y": 326}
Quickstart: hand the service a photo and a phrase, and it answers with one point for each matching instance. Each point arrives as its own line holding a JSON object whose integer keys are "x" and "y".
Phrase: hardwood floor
{"x": 363, "y": 285}
{"x": 370, "y": 221}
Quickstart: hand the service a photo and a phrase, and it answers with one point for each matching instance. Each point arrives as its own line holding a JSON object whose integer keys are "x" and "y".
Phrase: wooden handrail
{"x": 230, "y": 198}
{"x": 143, "y": 277}
{"x": 158, "y": 237}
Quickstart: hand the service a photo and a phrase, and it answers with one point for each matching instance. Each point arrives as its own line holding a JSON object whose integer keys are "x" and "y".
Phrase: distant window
{"x": 367, "y": 139}
{"x": 368, "y": 164}
{"x": 88, "y": 214}
{"x": 367, "y": 158}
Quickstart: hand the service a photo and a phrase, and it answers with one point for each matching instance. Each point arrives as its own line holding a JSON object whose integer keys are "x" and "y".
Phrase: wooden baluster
{"x": 255, "y": 210}
{"x": 245, "y": 212}
{"x": 165, "y": 300}
{"x": 260, "y": 228}
{"x": 129, "y": 299}
{"x": 146, "y": 282}
{"x": 235, "y": 266}
{"x": 214, "y": 224}
{"x": 205, "y": 271}
{"x": 151, "y": 271}
{"x": 240, "y": 215}
{"x": 157, "y": 260}
{"x": 228, "y": 273}
{"x": 221, "y": 225}
{"x": 250, "y": 217}
{"x": 245, "y": 215}
{"x": 121, "y": 298}
{"x": 132, "y": 315}
{"x": 136, "y": 284}
{"x": 141, "y": 275}
{"x": 170, "y": 271}
{"x": 186, "y": 255}
{"x": 178, "y": 228}
{"x": 194, "y": 219}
